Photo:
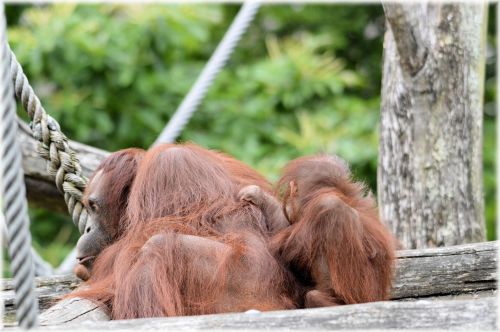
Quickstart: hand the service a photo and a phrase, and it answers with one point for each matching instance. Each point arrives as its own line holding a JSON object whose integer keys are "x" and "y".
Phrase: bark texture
{"x": 430, "y": 158}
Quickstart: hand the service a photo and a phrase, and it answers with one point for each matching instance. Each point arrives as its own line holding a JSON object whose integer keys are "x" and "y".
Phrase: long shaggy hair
{"x": 336, "y": 239}
{"x": 182, "y": 205}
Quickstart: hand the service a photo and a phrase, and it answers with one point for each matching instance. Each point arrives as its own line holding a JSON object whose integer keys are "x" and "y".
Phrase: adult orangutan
{"x": 202, "y": 233}
{"x": 187, "y": 244}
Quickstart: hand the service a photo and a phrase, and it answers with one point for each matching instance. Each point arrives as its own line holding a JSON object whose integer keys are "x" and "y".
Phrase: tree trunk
{"x": 430, "y": 163}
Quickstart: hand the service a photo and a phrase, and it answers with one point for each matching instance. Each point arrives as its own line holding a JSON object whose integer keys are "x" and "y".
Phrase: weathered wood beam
{"x": 41, "y": 189}
{"x": 78, "y": 310}
{"x": 48, "y": 291}
{"x": 477, "y": 314}
{"x": 446, "y": 270}
{"x": 73, "y": 310}
{"x": 456, "y": 270}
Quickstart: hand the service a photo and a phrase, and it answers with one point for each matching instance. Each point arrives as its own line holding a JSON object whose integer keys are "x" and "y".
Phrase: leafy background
{"x": 304, "y": 79}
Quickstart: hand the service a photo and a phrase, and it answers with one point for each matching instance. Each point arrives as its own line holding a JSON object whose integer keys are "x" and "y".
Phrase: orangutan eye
{"x": 93, "y": 205}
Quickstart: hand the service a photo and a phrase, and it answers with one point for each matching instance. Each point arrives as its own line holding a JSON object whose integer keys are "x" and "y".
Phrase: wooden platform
{"x": 423, "y": 314}
{"x": 453, "y": 287}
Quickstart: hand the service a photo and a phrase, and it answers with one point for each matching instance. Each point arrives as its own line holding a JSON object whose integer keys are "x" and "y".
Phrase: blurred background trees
{"x": 304, "y": 79}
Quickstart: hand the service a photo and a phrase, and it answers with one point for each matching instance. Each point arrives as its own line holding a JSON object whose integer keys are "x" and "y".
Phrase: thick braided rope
{"x": 53, "y": 146}
{"x": 217, "y": 61}
{"x": 13, "y": 192}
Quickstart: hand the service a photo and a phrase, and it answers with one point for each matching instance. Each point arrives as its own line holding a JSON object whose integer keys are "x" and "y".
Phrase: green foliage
{"x": 304, "y": 79}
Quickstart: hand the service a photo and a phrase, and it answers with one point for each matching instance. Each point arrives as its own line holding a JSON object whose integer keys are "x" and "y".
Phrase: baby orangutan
{"x": 335, "y": 243}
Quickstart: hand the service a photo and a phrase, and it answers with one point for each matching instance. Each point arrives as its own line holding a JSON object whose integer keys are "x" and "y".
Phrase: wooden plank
{"x": 464, "y": 269}
{"x": 48, "y": 290}
{"x": 72, "y": 310}
{"x": 79, "y": 310}
{"x": 447, "y": 270}
{"x": 40, "y": 185}
{"x": 477, "y": 314}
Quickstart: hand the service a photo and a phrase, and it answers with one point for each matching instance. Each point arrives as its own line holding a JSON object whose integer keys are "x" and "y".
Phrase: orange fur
{"x": 189, "y": 246}
{"x": 120, "y": 166}
{"x": 210, "y": 253}
{"x": 336, "y": 240}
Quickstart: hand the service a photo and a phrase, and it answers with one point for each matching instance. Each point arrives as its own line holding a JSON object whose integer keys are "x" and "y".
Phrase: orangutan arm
{"x": 269, "y": 205}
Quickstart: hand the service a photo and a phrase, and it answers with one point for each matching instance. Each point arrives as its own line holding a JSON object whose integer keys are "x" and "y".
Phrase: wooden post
{"x": 430, "y": 161}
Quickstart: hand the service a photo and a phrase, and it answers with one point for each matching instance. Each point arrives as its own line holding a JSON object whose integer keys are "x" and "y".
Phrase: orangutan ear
{"x": 288, "y": 202}
{"x": 293, "y": 188}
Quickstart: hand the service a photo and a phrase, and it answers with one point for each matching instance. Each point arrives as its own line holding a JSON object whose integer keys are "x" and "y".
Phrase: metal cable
{"x": 13, "y": 193}
{"x": 212, "y": 68}
{"x": 63, "y": 163}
